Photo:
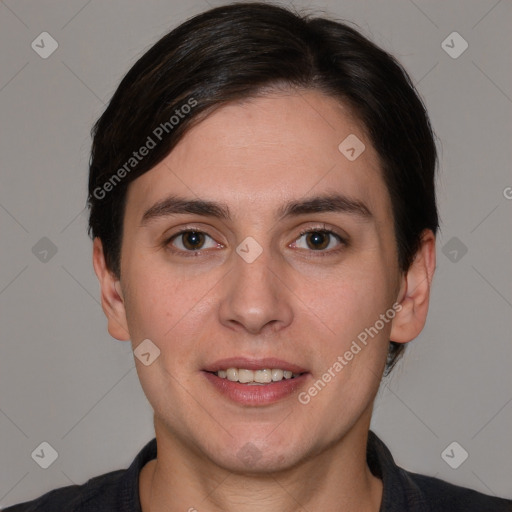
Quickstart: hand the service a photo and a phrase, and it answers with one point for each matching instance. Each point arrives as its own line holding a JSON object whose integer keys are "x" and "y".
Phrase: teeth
{"x": 277, "y": 374}
{"x": 264, "y": 376}
{"x": 232, "y": 374}
{"x": 245, "y": 376}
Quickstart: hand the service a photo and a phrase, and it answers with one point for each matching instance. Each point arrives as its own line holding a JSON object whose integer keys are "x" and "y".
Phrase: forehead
{"x": 259, "y": 153}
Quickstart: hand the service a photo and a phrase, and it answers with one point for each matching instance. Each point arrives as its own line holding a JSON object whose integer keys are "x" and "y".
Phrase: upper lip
{"x": 253, "y": 364}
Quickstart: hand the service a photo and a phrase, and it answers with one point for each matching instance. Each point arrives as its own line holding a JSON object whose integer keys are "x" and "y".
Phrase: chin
{"x": 244, "y": 454}
{"x": 250, "y": 460}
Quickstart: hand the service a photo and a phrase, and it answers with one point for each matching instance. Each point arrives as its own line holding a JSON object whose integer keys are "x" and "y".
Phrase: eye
{"x": 318, "y": 240}
{"x": 191, "y": 240}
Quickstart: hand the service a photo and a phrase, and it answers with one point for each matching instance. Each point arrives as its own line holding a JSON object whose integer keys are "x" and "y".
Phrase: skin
{"x": 291, "y": 303}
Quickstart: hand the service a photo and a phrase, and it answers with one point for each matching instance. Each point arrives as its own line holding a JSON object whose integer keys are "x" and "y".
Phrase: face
{"x": 291, "y": 260}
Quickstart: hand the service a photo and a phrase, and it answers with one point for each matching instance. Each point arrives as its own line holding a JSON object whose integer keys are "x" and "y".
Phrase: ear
{"x": 414, "y": 292}
{"x": 112, "y": 300}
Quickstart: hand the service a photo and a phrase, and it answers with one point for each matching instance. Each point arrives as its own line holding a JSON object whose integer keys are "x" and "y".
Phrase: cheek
{"x": 151, "y": 305}
{"x": 165, "y": 306}
{"x": 348, "y": 299}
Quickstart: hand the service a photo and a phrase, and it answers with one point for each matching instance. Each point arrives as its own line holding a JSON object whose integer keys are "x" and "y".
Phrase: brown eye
{"x": 319, "y": 240}
{"x": 193, "y": 240}
{"x": 190, "y": 240}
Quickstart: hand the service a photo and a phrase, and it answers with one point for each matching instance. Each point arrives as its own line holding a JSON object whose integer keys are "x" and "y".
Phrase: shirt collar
{"x": 129, "y": 497}
{"x": 400, "y": 492}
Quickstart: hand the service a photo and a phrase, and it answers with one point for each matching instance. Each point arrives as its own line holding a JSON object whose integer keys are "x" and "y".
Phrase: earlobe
{"x": 112, "y": 300}
{"x": 414, "y": 293}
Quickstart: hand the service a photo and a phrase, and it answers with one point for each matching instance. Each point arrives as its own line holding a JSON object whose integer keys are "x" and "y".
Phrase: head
{"x": 265, "y": 124}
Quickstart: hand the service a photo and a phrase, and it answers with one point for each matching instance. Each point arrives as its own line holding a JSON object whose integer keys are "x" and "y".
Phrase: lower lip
{"x": 256, "y": 395}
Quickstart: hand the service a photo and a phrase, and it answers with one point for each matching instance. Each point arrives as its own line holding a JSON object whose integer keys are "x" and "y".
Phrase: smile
{"x": 256, "y": 382}
{"x": 256, "y": 377}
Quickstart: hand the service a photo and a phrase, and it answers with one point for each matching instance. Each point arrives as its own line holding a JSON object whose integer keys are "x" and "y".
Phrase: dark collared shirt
{"x": 118, "y": 491}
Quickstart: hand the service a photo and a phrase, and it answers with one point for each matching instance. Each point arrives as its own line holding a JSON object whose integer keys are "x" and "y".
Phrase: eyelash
{"x": 190, "y": 254}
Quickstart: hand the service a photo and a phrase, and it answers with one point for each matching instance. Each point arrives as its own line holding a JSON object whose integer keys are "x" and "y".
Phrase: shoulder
{"x": 444, "y": 496}
{"x": 116, "y": 491}
{"x": 94, "y": 495}
{"x": 406, "y": 490}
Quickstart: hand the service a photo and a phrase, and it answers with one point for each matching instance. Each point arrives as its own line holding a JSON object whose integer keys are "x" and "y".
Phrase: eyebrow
{"x": 174, "y": 205}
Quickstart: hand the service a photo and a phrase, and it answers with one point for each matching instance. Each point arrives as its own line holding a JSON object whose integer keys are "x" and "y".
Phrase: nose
{"x": 255, "y": 297}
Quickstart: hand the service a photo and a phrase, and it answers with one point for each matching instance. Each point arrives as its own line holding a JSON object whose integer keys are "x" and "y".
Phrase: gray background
{"x": 65, "y": 381}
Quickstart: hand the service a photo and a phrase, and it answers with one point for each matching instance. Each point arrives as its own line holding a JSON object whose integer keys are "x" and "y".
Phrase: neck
{"x": 338, "y": 478}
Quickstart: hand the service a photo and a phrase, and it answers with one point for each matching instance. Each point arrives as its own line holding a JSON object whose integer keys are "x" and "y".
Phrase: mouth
{"x": 256, "y": 377}
{"x": 255, "y": 382}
